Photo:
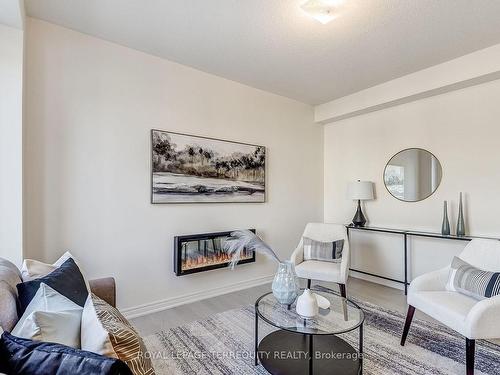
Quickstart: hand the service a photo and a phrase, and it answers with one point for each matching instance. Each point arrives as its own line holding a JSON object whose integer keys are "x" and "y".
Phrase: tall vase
{"x": 460, "y": 223}
{"x": 445, "y": 228}
{"x": 286, "y": 284}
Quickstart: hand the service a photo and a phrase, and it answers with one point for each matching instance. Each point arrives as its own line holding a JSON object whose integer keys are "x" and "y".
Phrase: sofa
{"x": 10, "y": 276}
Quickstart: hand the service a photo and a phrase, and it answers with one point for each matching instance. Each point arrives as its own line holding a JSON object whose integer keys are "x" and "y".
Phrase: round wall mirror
{"x": 412, "y": 175}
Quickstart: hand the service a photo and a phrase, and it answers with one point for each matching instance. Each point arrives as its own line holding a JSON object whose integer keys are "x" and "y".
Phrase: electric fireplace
{"x": 202, "y": 252}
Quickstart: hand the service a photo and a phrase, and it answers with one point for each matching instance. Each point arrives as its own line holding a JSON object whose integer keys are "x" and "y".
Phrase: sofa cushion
{"x": 318, "y": 270}
{"x": 450, "y": 308}
{"x": 8, "y": 306}
{"x": 107, "y": 332}
{"x": 67, "y": 280}
{"x": 26, "y": 357}
{"x": 9, "y": 278}
{"x": 10, "y": 265}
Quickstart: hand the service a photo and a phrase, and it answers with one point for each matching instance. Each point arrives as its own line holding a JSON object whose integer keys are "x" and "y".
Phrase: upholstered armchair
{"x": 319, "y": 270}
{"x": 472, "y": 318}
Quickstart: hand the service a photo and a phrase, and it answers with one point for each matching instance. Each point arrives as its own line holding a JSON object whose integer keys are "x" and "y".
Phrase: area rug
{"x": 223, "y": 344}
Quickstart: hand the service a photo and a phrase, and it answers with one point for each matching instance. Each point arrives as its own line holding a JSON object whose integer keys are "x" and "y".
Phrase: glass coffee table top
{"x": 342, "y": 316}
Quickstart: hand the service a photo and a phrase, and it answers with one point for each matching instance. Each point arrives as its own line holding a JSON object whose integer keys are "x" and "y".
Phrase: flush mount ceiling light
{"x": 322, "y": 10}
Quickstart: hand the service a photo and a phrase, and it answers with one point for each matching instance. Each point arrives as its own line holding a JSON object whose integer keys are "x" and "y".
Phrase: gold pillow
{"x": 105, "y": 331}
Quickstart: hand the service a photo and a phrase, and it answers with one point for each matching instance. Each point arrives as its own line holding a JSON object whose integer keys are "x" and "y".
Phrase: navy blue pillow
{"x": 27, "y": 357}
{"x": 67, "y": 280}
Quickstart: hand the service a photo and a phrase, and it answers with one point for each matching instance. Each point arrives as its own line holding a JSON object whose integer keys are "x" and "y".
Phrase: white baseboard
{"x": 152, "y": 307}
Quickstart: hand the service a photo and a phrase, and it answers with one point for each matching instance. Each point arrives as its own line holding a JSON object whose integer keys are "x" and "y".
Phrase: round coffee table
{"x": 309, "y": 346}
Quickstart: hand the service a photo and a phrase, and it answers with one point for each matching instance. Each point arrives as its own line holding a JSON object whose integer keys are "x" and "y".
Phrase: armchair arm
{"x": 430, "y": 282}
{"x": 483, "y": 320}
{"x": 298, "y": 255}
{"x": 105, "y": 289}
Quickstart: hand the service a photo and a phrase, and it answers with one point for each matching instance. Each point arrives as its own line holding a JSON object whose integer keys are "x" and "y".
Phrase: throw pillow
{"x": 26, "y": 357}
{"x": 62, "y": 327}
{"x": 324, "y": 251}
{"x": 471, "y": 281}
{"x": 52, "y": 317}
{"x": 105, "y": 331}
{"x": 34, "y": 269}
{"x": 67, "y": 280}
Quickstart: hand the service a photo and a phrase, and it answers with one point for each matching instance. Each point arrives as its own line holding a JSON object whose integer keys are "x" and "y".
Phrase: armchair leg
{"x": 308, "y": 283}
{"x": 470, "y": 350}
{"x": 409, "y": 318}
{"x": 343, "y": 292}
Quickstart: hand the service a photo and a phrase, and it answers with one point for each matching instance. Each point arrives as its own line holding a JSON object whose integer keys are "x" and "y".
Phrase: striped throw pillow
{"x": 471, "y": 281}
{"x": 324, "y": 251}
{"x": 105, "y": 331}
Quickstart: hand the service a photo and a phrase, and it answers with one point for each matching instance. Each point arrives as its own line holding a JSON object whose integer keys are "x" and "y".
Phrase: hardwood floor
{"x": 389, "y": 298}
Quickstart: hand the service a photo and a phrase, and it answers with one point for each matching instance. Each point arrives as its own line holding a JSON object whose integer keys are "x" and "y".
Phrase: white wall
{"x": 11, "y": 133}
{"x": 90, "y": 107}
{"x": 462, "y": 129}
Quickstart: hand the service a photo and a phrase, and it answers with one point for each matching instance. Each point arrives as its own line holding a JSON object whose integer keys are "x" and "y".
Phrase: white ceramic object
{"x": 307, "y": 305}
{"x": 323, "y": 303}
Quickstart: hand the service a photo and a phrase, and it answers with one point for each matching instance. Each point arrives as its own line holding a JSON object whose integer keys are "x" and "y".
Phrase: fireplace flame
{"x": 201, "y": 261}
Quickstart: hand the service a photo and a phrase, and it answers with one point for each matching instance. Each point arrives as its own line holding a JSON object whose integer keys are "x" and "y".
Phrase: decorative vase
{"x": 286, "y": 284}
{"x": 307, "y": 305}
{"x": 445, "y": 228}
{"x": 460, "y": 223}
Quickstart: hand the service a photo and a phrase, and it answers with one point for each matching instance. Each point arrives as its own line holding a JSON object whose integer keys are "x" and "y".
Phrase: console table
{"x": 405, "y": 234}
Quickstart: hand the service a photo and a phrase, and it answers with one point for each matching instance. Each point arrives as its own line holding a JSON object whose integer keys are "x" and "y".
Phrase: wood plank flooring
{"x": 363, "y": 290}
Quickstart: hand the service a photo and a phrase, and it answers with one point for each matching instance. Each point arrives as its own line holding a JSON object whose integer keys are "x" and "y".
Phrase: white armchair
{"x": 318, "y": 270}
{"x": 471, "y": 318}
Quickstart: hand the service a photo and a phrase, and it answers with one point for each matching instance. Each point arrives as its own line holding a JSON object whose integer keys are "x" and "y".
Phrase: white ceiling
{"x": 11, "y": 13}
{"x": 273, "y": 45}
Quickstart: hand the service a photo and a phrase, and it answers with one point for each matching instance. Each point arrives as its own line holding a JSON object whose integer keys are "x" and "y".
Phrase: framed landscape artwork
{"x": 191, "y": 169}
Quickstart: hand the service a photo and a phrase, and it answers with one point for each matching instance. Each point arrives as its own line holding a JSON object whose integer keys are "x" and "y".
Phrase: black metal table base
{"x": 287, "y": 353}
{"x": 406, "y": 234}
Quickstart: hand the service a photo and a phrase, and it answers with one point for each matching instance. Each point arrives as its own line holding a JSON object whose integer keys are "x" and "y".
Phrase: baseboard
{"x": 152, "y": 307}
{"x": 376, "y": 280}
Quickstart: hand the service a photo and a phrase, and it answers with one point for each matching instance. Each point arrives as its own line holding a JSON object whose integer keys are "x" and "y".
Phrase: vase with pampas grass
{"x": 285, "y": 284}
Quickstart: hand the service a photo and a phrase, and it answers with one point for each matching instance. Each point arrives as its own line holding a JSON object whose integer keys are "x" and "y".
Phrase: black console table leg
{"x": 361, "y": 349}
{"x": 256, "y": 337}
{"x": 405, "y": 238}
{"x": 311, "y": 354}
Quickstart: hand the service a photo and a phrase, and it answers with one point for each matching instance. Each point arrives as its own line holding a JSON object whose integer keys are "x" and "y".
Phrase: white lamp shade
{"x": 362, "y": 190}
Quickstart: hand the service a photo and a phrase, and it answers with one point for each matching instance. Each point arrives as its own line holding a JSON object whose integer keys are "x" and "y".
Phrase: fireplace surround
{"x": 203, "y": 252}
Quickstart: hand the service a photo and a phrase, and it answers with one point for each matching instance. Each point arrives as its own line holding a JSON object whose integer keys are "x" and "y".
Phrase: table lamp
{"x": 360, "y": 190}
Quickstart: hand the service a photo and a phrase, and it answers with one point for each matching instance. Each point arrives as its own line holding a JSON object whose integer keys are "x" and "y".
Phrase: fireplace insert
{"x": 202, "y": 252}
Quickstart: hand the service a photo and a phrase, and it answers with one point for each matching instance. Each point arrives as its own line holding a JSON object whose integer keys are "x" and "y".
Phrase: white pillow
{"x": 62, "y": 327}
{"x": 94, "y": 337}
{"x": 34, "y": 269}
{"x": 47, "y": 299}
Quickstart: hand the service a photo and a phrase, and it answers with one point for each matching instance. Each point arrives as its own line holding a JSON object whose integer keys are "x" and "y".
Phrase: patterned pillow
{"x": 105, "y": 331}
{"x": 471, "y": 281}
{"x": 324, "y": 251}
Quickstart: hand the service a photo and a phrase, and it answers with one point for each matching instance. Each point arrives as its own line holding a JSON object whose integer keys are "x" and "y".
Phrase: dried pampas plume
{"x": 246, "y": 239}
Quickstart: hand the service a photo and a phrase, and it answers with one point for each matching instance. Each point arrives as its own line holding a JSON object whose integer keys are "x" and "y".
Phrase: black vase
{"x": 445, "y": 228}
{"x": 461, "y": 222}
